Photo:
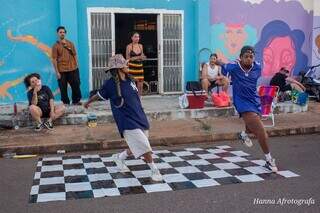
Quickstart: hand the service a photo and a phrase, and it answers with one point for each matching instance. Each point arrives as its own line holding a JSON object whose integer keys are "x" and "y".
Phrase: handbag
{"x": 220, "y": 99}
{"x": 300, "y": 98}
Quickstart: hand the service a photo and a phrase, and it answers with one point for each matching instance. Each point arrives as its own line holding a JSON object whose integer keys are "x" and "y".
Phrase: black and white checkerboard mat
{"x": 92, "y": 176}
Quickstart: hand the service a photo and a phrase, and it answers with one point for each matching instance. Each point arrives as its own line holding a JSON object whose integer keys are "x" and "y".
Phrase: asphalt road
{"x": 300, "y": 154}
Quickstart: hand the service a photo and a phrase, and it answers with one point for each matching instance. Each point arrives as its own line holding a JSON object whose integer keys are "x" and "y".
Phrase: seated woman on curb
{"x": 286, "y": 83}
{"x": 212, "y": 76}
{"x": 41, "y": 104}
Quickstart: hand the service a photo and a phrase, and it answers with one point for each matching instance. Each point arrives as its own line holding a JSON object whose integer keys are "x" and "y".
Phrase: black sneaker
{"x": 48, "y": 125}
{"x": 271, "y": 165}
{"x": 38, "y": 127}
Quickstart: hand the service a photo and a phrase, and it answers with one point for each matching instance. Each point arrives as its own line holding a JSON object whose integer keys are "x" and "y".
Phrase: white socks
{"x": 152, "y": 166}
{"x": 268, "y": 157}
{"x": 123, "y": 155}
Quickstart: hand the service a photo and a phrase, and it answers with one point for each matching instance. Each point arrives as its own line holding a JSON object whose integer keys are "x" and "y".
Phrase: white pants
{"x": 137, "y": 141}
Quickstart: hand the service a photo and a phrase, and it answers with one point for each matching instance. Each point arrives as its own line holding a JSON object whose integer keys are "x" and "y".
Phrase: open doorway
{"x": 162, "y": 34}
{"x": 146, "y": 26}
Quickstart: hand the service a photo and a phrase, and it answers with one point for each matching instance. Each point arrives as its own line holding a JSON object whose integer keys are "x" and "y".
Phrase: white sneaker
{"x": 244, "y": 138}
{"x": 156, "y": 176}
{"x": 271, "y": 165}
{"x": 120, "y": 163}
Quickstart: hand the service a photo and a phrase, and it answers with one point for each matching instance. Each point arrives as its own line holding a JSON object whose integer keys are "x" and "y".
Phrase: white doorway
{"x": 164, "y": 68}
{"x": 146, "y": 26}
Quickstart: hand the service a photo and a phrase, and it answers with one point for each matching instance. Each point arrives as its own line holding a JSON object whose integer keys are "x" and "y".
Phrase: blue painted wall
{"x": 28, "y": 30}
{"x": 33, "y": 24}
{"x": 203, "y": 26}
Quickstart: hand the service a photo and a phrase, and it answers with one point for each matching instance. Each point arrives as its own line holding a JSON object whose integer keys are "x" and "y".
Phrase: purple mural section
{"x": 279, "y": 46}
{"x": 315, "y": 40}
{"x": 281, "y": 37}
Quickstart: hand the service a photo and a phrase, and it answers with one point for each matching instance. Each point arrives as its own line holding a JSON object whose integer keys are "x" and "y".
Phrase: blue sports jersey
{"x": 245, "y": 96}
{"x": 130, "y": 115}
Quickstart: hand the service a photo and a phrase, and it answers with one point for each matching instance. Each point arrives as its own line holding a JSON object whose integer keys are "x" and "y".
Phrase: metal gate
{"x": 101, "y": 46}
{"x": 172, "y": 53}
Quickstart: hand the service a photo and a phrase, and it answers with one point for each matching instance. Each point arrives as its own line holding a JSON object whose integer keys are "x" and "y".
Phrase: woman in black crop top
{"x": 135, "y": 56}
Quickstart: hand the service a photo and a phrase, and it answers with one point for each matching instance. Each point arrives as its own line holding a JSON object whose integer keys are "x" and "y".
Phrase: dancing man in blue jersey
{"x": 244, "y": 76}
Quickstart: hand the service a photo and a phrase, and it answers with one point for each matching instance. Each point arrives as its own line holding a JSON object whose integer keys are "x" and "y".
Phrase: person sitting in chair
{"x": 211, "y": 75}
{"x": 286, "y": 83}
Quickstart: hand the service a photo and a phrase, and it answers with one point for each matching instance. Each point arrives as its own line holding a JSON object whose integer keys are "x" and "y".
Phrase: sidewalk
{"x": 163, "y": 133}
{"x": 157, "y": 108}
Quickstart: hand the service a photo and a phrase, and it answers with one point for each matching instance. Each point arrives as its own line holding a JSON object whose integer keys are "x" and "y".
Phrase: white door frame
{"x": 158, "y": 12}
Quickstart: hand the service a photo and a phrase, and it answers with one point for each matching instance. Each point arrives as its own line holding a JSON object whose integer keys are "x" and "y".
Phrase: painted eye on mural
{"x": 239, "y": 31}
{"x": 228, "y": 31}
{"x": 287, "y": 58}
{"x": 268, "y": 55}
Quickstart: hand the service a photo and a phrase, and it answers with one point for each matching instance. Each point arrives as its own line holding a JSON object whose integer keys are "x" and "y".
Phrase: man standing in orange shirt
{"x": 64, "y": 59}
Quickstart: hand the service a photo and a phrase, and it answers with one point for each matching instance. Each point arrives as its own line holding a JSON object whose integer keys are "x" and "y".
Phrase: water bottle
{"x": 92, "y": 120}
{"x": 15, "y": 109}
{"x": 15, "y": 112}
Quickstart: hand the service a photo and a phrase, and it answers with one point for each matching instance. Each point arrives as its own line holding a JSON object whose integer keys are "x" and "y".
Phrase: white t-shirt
{"x": 213, "y": 73}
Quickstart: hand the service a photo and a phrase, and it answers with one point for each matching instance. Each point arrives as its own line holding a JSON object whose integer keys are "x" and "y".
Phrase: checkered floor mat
{"x": 92, "y": 176}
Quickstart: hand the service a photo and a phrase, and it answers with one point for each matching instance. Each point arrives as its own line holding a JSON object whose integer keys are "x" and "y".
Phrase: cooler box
{"x": 196, "y": 101}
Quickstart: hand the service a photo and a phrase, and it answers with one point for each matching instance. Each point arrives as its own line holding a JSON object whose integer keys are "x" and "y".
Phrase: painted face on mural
{"x": 279, "y": 53}
{"x": 135, "y": 38}
{"x": 317, "y": 41}
{"x": 235, "y": 38}
{"x": 62, "y": 34}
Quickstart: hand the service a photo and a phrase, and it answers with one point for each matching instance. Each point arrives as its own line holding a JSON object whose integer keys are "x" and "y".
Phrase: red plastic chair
{"x": 268, "y": 96}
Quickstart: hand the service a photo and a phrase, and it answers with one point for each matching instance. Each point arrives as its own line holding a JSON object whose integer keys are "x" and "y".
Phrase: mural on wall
{"x": 21, "y": 51}
{"x": 279, "y": 46}
{"x": 32, "y": 40}
{"x": 228, "y": 39}
{"x": 4, "y": 88}
{"x": 279, "y": 37}
{"x": 41, "y": 46}
{"x": 315, "y": 39}
{"x": 317, "y": 42}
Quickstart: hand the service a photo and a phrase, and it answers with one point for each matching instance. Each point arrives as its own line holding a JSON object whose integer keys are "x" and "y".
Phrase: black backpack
{"x": 193, "y": 86}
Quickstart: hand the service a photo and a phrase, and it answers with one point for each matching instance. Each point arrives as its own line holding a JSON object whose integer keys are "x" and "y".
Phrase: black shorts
{"x": 213, "y": 84}
{"x": 45, "y": 112}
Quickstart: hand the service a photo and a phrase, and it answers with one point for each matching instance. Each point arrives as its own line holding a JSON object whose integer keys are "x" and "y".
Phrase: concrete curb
{"x": 78, "y": 116}
{"x": 24, "y": 120}
{"x": 169, "y": 141}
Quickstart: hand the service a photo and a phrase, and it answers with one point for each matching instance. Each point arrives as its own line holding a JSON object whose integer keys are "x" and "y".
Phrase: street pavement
{"x": 300, "y": 154}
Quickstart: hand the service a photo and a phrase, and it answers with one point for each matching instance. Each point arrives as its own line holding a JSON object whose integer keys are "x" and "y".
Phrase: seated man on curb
{"x": 286, "y": 83}
{"x": 212, "y": 76}
{"x": 41, "y": 104}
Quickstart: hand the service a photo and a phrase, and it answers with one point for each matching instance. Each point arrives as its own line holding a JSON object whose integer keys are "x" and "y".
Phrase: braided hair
{"x": 116, "y": 77}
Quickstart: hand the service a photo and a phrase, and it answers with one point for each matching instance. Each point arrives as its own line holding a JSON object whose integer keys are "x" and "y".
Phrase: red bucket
{"x": 196, "y": 101}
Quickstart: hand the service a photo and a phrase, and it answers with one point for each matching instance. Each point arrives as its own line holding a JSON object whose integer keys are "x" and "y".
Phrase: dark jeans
{"x": 72, "y": 78}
